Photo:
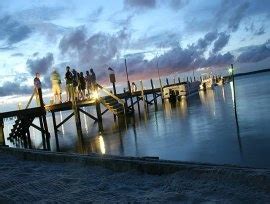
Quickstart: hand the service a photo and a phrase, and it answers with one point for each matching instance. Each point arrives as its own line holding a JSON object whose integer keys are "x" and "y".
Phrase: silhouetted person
{"x": 134, "y": 87}
{"x": 69, "y": 85}
{"x": 37, "y": 85}
{"x": 93, "y": 80}
{"x": 88, "y": 83}
{"x": 82, "y": 86}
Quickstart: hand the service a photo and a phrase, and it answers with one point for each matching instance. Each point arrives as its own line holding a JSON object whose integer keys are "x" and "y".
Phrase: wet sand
{"x": 40, "y": 181}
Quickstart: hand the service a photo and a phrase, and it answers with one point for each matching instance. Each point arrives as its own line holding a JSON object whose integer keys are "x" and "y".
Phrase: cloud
{"x": 12, "y": 88}
{"x": 177, "y": 4}
{"x": 237, "y": 16}
{"x": 17, "y": 55}
{"x": 206, "y": 41}
{"x": 221, "y": 42}
{"x": 252, "y": 54}
{"x": 260, "y": 31}
{"x": 13, "y": 31}
{"x": 95, "y": 50}
{"x": 94, "y": 16}
{"x": 158, "y": 40}
{"x": 139, "y": 4}
{"x": 40, "y": 65}
{"x": 42, "y": 13}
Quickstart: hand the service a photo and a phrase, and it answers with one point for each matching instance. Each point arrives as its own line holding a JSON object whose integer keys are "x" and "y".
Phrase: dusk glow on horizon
{"x": 173, "y": 35}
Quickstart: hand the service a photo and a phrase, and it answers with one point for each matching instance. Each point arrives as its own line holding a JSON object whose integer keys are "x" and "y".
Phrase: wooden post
{"x": 190, "y": 79}
{"x": 99, "y": 116}
{"x": 161, "y": 90}
{"x": 138, "y": 104}
{"x": 114, "y": 92}
{"x": 201, "y": 78}
{"x": 194, "y": 78}
{"x": 179, "y": 80}
{"x": 142, "y": 94}
{"x": 167, "y": 81}
{"x": 187, "y": 79}
{"x": 44, "y": 119}
{"x": 29, "y": 139}
{"x": 55, "y": 132}
{"x": 125, "y": 97}
{"x": 131, "y": 97}
{"x": 2, "y": 137}
{"x": 42, "y": 133}
{"x": 154, "y": 93}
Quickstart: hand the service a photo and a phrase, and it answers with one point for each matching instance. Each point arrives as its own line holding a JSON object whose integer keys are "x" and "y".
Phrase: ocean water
{"x": 201, "y": 128}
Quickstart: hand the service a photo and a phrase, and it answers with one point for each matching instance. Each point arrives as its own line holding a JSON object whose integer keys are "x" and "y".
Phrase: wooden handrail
{"x": 110, "y": 94}
{"x": 30, "y": 99}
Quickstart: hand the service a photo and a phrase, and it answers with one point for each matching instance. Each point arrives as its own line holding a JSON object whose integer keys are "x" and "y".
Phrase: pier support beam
{"x": 55, "y": 132}
{"x": 2, "y": 138}
{"x": 99, "y": 116}
{"x": 154, "y": 94}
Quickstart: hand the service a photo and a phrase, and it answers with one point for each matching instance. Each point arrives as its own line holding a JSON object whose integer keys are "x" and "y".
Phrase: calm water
{"x": 200, "y": 129}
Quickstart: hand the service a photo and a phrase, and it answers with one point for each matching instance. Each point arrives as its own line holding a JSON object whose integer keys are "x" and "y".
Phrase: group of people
{"x": 78, "y": 86}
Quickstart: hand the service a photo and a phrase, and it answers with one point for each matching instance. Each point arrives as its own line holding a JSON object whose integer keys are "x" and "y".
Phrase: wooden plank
{"x": 21, "y": 113}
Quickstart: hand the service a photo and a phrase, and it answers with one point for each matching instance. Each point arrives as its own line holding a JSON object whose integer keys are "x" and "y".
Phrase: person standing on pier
{"x": 56, "y": 86}
{"x": 134, "y": 87}
{"x": 82, "y": 86}
{"x": 69, "y": 84}
{"x": 37, "y": 85}
{"x": 75, "y": 82}
{"x": 88, "y": 83}
{"x": 93, "y": 80}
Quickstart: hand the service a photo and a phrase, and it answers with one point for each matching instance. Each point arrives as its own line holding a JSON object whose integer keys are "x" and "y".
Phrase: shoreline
{"x": 38, "y": 176}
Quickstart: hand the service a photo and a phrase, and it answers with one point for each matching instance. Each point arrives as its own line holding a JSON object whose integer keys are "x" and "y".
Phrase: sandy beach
{"x": 39, "y": 181}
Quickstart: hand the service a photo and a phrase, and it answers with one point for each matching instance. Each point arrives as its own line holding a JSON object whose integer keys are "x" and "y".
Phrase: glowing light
{"x": 95, "y": 95}
{"x": 231, "y": 85}
{"x": 230, "y": 70}
{"x": 102, "y": 145}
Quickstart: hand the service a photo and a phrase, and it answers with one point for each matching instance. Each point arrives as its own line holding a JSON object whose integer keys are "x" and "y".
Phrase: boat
{"x": 207, "y": 81}
{"x": 177, "y": 91}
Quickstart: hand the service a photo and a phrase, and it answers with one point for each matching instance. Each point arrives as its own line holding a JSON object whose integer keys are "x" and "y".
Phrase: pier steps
{"x": 20, "y": 128}
{"x": 113, "y": 105}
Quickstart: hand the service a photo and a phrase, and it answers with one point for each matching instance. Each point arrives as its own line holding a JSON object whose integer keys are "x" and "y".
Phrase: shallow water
{"x": 199, "y": 129}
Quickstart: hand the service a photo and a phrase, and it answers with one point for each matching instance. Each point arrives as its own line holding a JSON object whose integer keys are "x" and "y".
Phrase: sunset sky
{"x": 181, "y": 35}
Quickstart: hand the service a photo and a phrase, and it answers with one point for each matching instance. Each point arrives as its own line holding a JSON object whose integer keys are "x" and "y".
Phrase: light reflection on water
{"x": 199, "y": 129}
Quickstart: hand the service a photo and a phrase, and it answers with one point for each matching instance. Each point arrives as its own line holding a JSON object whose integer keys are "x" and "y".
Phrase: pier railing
{"x": 107, "y": 91}
{"x": 30, "y": 100}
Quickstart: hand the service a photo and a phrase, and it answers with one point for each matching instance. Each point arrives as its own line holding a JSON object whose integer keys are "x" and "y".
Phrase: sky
{"x": 172, "y": 36}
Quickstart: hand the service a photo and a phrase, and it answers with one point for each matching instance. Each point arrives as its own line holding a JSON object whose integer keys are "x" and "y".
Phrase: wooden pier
{"x": 119, "y": 104}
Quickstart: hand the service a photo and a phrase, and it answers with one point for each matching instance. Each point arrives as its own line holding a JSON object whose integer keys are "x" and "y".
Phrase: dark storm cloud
{"x": 218, "y": 60}
{"x": 203, "y": 43}
{"x": 11, "y": 88}
{"x": 139, "y": 4}
{"x": 237, "y": 16}
{"x": 97, "y": 50}
{"x": 40, "y": 65}
{"x": 255, "y": 53}
{"x": 13, "y": 31}
{"x": 221, "y": 42}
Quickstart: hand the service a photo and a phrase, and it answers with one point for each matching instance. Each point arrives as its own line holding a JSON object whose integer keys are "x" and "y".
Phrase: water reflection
{"x": 183, "y": 108}
{"x": 201, "y": 128}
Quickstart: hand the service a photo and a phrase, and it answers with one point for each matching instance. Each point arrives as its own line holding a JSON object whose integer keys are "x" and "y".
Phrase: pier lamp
{"x": 230, "y": 70}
